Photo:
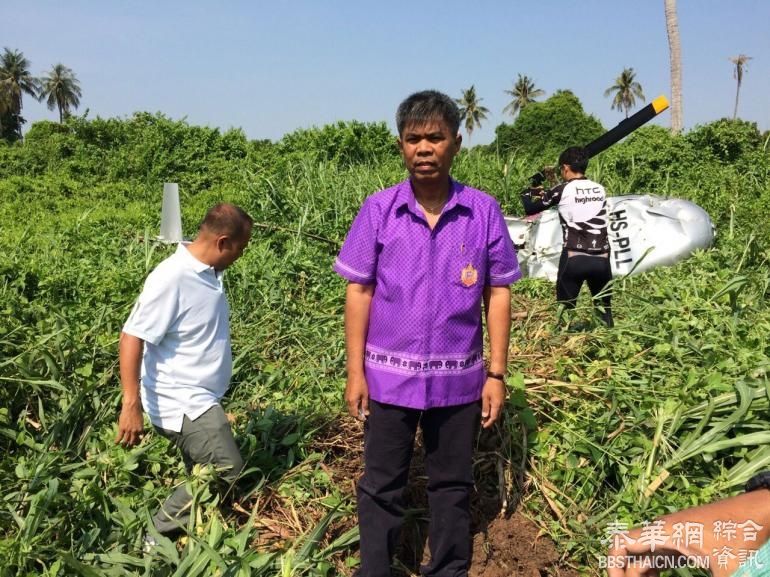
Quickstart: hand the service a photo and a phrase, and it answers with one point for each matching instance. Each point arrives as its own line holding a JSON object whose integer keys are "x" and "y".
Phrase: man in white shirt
{"x": 175, "y": 357}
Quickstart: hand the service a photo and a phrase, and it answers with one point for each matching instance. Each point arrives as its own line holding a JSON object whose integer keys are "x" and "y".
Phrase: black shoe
{"x": 606, "y": 316}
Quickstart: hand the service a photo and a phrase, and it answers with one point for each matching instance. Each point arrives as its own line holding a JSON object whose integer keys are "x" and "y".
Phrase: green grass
{"x": 667, "y": 410}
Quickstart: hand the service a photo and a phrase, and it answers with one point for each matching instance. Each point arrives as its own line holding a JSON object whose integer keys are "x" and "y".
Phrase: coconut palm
{"x": 5, "y": 103}
{"x": 15, "y": 81}
{"x": 61, "y": 89}
{"x": 471, "y": 110}
{"x": 626, "y": 90}
{"x": 740, "y": 66}
{"x": 523, "y": 93}
{"x": 675, "y": 61}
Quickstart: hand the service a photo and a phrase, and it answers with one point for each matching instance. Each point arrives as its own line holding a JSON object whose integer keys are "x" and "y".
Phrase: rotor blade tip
{"x": 660, "y": 104}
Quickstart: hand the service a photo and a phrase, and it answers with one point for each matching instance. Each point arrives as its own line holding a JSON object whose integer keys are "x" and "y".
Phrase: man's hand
{"x": 550, "y": 174}
{"x": 130, "y": 425}
{"x": 492, "y": 400}
{"x": 357, "y": 397}
{"x": 497, "y": 304}
{"x": 702, "y": 538}
{"x": 358, "y": 299}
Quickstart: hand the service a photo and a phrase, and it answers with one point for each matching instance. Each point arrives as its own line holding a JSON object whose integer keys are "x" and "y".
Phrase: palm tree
{"x": 15, "y": 80}
{"x": 471, "y": 111}
{"x": 523, "y": 93}
{"x": 675, "y": 60}
{"x": 740, "y": 65}
{"x": 62, "y": 89}
{"x": 5, "y": 104}
{"x": 626, "y": 90}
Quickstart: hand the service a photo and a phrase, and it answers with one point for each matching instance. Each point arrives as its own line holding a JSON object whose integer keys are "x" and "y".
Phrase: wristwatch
{"x": 498, "y": 376}
{"x": 758, "y": 481}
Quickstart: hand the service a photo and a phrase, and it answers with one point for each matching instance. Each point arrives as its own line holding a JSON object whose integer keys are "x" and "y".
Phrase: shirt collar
{"x": 193, "y": 262}
{"x": 456, "y": 197}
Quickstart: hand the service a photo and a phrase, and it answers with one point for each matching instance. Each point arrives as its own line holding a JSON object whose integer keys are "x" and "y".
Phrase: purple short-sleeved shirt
{"x": 424, "y": 344}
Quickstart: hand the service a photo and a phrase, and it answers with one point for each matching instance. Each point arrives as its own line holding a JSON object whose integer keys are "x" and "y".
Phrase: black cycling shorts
{"x": 574, "y": 270}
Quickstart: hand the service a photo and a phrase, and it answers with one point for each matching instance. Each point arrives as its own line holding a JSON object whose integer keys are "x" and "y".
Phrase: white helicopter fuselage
{"x": 645, "y": 231}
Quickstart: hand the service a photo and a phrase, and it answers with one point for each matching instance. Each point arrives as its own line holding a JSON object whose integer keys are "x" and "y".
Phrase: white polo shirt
{"x": 182, "y": 317}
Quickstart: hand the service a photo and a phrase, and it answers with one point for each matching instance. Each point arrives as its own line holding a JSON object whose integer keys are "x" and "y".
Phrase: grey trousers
{"x": 206, "y": 440}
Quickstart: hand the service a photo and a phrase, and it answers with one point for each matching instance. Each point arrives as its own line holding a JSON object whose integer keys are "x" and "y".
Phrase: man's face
{"x": 230, "y": 249}
{"x": 428, "y": 150}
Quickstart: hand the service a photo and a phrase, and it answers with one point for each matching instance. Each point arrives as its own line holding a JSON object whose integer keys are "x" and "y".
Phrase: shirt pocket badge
{"x": 469, "y": 276}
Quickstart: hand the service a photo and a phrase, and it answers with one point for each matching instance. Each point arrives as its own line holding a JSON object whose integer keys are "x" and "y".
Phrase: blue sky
{"x": 273, "y": 67}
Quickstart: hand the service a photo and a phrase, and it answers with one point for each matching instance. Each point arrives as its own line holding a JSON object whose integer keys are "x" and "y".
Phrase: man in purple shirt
{"x": 420, "y": 258}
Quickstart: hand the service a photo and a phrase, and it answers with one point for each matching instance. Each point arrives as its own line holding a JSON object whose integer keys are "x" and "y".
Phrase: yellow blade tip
{"x": 660, "y": 104}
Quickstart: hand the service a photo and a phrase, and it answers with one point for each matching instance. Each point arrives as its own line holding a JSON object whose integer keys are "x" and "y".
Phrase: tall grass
{"x": 666, "y": 410}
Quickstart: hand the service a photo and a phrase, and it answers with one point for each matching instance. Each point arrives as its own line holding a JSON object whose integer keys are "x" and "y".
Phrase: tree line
{"x": 624, "y": 92}
{"x": 59, "y": 88}
{"x": 524, "y": 92}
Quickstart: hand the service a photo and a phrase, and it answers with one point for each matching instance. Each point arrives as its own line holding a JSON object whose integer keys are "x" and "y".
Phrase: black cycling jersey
{"x": 582, "y": 211}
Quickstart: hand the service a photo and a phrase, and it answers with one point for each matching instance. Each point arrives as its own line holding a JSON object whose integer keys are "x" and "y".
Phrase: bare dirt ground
{"x": 503, "y": 545}
{"x": 514, "y": 546}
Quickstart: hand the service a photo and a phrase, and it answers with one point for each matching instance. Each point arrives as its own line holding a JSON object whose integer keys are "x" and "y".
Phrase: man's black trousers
{"x": 579, "y": 268}
{"x": 448, "y": 436}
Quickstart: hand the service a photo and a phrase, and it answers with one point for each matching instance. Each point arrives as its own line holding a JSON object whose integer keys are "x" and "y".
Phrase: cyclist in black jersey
{"x": 583, "y": 215}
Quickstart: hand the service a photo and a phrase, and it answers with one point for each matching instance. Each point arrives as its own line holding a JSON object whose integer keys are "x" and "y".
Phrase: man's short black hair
{"x": 227, "y": 219}
{"x": 428, "y": 106}
{"x": 576, "y": 158}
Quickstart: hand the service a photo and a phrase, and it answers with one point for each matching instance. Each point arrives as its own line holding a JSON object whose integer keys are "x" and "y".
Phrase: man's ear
{"x": 223, "y": 242}
{"x": 458, "y": 142}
